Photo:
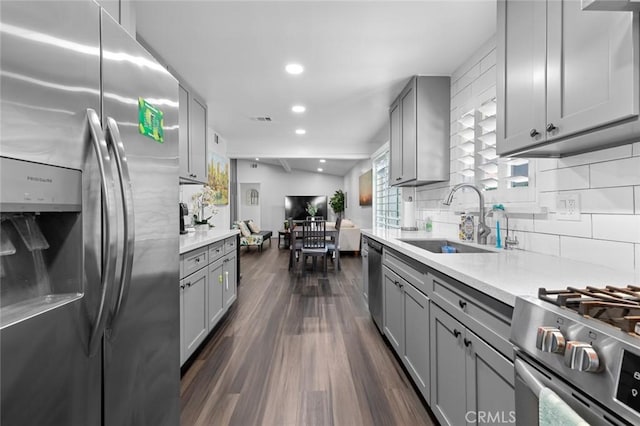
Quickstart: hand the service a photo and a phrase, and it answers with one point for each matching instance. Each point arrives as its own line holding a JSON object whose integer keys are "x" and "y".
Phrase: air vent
{"x": 265, "y": 119}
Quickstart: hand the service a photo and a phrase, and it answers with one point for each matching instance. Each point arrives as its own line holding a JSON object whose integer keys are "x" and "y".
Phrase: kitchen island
{"x": 448, "y": 316}
{"x": 209, "y": 272}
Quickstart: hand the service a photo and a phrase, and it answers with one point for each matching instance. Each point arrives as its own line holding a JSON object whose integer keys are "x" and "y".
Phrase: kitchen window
{"x": 386, "y": 198}
{"x": 474, "y": 158}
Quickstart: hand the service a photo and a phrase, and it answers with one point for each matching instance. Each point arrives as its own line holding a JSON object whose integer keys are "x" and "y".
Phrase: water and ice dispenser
{"x": 41, "y": 245}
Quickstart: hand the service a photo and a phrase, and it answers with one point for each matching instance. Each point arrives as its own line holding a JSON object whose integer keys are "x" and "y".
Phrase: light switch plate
{"x": 568, "y": 206}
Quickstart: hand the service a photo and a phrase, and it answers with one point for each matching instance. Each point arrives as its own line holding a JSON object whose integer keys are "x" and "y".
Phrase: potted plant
{"x": 337, "y": 203}
{"x": 201, "y": 201}
{"x": 311, "y": 209}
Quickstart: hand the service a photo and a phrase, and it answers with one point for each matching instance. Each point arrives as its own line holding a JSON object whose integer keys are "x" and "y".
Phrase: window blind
{"x": 387, "y": 199}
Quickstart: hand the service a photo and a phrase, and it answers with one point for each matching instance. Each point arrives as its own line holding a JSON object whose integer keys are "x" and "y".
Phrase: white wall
{"x": 275, "y": 183}
{"x": 362, "y": 216}
{"x": 245, "y": 209}
{"x": 607, "y": 181}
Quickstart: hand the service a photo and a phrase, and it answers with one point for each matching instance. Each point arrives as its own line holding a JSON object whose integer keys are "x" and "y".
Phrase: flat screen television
{"x": 295, "y": 206}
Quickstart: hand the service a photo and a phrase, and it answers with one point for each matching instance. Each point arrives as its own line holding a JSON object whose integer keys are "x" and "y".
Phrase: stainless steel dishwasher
{"x": 375, "y": 283}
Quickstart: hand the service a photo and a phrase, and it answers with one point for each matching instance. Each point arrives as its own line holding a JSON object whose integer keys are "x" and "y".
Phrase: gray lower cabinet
{"x": 406, "y": 325}
{"x": 207, "y": 293}
{"x": 216, "y": 292}
{"x": 194, "y": 320}
{"x": 230, "y": 293}
{"x": 470, "y": 380}
{"x": 393, "y": 309}
{"x": 416, "y": 343}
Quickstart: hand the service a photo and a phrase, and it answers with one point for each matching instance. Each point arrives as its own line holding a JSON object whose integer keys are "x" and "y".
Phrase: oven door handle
{"x": 527, "y": 377}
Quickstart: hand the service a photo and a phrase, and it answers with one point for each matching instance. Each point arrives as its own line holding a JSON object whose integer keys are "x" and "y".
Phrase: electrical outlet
{"x": 568, "y": 206}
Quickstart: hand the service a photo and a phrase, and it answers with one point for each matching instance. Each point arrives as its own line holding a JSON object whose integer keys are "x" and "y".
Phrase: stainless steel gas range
{"x": 584, "y": 345}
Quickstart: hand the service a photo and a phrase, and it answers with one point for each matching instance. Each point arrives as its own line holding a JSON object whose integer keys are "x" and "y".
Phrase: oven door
{"x": 529, "y": 381}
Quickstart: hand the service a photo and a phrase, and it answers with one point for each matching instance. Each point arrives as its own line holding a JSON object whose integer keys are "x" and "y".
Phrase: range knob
{"x": 550, "y": 339}
{"x": 581, "y": 356}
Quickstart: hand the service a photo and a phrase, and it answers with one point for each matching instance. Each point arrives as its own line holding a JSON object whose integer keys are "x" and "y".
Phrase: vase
{"x": 201, "y": 228}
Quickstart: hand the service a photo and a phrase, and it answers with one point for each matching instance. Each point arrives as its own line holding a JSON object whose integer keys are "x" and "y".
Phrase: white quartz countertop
{"x": 507, "y": 273}
{"x": 195, "y": 240}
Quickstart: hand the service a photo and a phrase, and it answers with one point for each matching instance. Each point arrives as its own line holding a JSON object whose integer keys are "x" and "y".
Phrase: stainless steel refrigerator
{"x": 89, "y": 302}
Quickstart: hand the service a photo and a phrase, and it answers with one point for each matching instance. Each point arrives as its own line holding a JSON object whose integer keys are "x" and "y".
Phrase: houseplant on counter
{"x": 337, "y": 203}
{"x": 202, "y": 208}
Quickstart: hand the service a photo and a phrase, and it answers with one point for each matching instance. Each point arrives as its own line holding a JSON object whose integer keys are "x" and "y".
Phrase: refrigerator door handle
{"x": 110, "y": 236}
{"x": 116, "y": 144}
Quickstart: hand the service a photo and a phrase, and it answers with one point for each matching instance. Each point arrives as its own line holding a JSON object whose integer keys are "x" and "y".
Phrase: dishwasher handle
{"x": 373, "y": 245}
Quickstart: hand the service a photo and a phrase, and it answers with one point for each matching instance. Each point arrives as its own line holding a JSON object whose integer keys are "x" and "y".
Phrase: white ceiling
{"x": 357, "y": 57}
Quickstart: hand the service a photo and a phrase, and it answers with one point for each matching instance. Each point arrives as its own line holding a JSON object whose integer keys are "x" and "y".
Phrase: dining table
{"x": 296, "y": 234}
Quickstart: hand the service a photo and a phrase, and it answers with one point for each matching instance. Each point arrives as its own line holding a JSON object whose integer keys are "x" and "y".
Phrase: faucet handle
{"x": 511, "y": 242}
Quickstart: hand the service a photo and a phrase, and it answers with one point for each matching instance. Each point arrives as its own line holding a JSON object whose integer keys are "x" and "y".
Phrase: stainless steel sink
{"x": 435, "y": 246}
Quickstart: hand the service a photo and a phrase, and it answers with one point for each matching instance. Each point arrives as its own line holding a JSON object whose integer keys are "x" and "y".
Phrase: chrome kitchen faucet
{"x": 483, "y": 229}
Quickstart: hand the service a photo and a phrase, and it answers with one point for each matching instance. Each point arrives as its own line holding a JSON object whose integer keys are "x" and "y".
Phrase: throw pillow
{"x": 346, "y": 223}
{"x": 243, "y": 229}
{"x": 254, "y": 227}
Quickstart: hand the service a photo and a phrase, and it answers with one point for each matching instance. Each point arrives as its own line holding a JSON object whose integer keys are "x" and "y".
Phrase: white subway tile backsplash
{"x": 488, "y": 61}
{"x": 468, "y": 77}
{"x": 616, "y": 153}
{"x": 551, "y": 225}
{"x": 607, "y": 200}
{"x": 563, "y": 179}
{"x": 616, "y": 173}
{"x": 547, "y": 200}
{"x": 543, "y": 164}
{"x": 484, "y": 82}
{"x": 607, "y": 181}
{"x": 539, "y": 243}
{"x": 601, "y": 252}
{"x": 616, "y": 227}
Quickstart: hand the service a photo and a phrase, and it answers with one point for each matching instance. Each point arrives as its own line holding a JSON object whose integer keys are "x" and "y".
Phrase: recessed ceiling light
{"x": 298, "y": 108}
{"x": 300, "y": 131}
{"x": 257, "y": 159}
{"x": 323, "y": 161}
{"x": 319, "y": 169}
{"x": 294, "y": 69}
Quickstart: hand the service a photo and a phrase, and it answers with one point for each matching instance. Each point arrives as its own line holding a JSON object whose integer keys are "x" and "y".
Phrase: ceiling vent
{"x": 264, "y": 119}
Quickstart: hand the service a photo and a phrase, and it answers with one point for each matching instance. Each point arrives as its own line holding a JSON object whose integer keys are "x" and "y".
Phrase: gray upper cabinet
{"x": 419, "y": 126}
{"x": 183, "y": 138}
{"x": 567, "y": 78}
{"x": 192, "y": 138}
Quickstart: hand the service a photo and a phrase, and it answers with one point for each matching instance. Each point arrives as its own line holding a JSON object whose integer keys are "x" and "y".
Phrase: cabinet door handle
{"x": 188, "y": 284}
{"x": 467, "y": 342}
{"x": 197, "y": 259}
{"x": 226, "y": 280}
{"x": 456, "y": 333}
{"x": 398, "y": 178}
{"x": 551, "y": 127}
{"x": 181, "y": 286}
{"x": 401, "y": 286}
{"x": 533, "y": 133}
{"x": 462, "y": 304}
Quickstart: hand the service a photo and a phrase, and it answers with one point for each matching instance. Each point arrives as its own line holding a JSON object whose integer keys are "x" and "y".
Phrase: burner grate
{"x": 618, "y": 306}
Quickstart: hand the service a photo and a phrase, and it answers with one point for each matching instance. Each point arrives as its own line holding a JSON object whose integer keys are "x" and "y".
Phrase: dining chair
{"x": 295, "y": 244}
{"x": 334, "y": 245}
{"x": 314, "y": 242}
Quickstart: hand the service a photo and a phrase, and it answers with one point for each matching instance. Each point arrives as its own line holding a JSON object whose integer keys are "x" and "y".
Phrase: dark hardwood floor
{"x": 298, "y": 350}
